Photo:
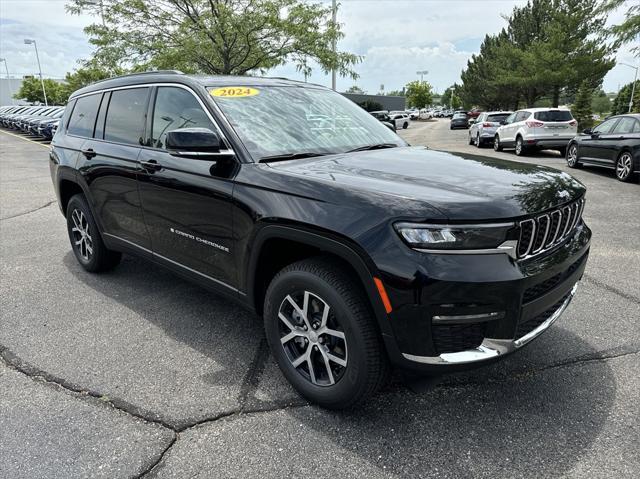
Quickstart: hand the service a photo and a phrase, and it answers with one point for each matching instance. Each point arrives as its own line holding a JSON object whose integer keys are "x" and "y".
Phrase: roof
{"x": 548, "y": 108}
{"x": 174, "y": 76}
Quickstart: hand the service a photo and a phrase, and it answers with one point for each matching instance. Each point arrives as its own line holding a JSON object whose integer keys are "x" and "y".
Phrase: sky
{"x": 397, "y": 38}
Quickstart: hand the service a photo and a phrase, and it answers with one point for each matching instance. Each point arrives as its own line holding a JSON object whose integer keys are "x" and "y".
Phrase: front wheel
{"x": 405, "y": 125}
{"x": 86, "y": 242}
{"x": 520, "y": 148}
{"x": 624, "y": 167}
{"x": 323, "y": 335}
{"x": 572, "y": 156}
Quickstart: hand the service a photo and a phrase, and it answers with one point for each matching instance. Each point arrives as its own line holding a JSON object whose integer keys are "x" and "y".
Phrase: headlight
{"x": 453, "y": 237}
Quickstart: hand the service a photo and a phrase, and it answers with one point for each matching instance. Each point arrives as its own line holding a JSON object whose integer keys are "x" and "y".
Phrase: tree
{"x": 582, "y": 108}
{"x": 629, "y": 30}
{"x": 233, "y": 37}
{"x": 621, "y": 103}
{"x": 419, "y": 93}
{"x": 600, "y": 103}
{"x": 85, "y": 76}
{"x": 31, "y": 91}
{"x": 355, "y": 89}
{"x": 396, "y": 93}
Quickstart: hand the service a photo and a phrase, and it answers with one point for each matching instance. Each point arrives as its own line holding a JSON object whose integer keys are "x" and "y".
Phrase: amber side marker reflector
{"x": 383, "y": 295}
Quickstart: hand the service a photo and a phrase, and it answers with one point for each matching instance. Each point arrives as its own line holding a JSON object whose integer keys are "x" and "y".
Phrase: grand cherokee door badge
{"x": 199, "y": 240}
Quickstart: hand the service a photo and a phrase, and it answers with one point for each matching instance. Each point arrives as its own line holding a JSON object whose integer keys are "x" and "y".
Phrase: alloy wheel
{"x": 478, "y": 140}
{"x": 312, "y": 338}
{"x": 573, "y": 155}
{"x": 82, "y": 239}
{"x": 496, "y": 143}
{"x": 623, "y": 166}
{"x": 518, "y": 146}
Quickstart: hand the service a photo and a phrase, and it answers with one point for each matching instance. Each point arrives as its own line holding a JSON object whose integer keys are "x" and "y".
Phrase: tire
{"x": 572, "y": 156}
{"x": 470, "y": 139}
{"x": 478, "y": 141}
{"x": 359, "y": 366}
{"x": 497, "y": 146}
{"x": 624, "y": 167}
{"x": 520, "y": 149}
{"x": 405, "y": 125}
{"x": 85, "y": 239}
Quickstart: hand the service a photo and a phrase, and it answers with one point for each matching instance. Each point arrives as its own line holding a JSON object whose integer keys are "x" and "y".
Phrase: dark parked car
{"x": 359, "y": 252}
{"x": 47, "y": 129}
{"x": 614, "y": 143}
{"x": 384, "y": 118}
{"x": 459, "y": 120}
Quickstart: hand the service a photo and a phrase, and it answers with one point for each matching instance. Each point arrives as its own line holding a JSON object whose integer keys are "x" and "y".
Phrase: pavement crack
{"x": 611, "y": 289}
{"x": 153, "y": 467}
{"x": 30, "y": 211}
{"x": 14, "y": 362}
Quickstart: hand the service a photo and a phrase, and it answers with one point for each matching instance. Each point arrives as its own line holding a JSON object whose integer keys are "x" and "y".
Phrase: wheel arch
{"x": 297, "y": 243}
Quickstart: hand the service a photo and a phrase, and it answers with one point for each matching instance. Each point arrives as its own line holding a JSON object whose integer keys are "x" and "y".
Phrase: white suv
{"x": 536, "y": 128}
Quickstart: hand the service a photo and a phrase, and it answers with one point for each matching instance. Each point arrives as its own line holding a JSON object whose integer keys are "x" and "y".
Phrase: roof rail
{"x": 162, "y": 72}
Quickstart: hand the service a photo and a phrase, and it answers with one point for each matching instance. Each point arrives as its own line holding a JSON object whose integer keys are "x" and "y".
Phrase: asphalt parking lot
{"x": 139, "y": 373}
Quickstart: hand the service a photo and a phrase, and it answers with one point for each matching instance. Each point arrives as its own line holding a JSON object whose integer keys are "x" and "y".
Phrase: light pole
{"x": 422, "y": 73}
{"x": 334, "y": 16}
{"x": 13, "y": 101}
{"x": 28, "y": 41}
{"x": 633, "y": 85}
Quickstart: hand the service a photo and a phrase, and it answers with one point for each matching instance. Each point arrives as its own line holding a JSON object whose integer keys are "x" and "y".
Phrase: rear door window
{"x": 625, "y": 125}
{"x": 553, "y": 115}
{"x": 83, "y": 117}
{"x": 606, "y": 127}
{"x": 126, "y": 116}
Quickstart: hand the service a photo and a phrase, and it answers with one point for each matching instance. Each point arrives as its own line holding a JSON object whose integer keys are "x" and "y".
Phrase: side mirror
{"x": 587, "y": 131}
{"x": 192, "y": 142}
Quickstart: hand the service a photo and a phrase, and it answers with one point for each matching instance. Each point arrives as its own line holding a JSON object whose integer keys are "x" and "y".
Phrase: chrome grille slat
{"x": 549, "y": 229}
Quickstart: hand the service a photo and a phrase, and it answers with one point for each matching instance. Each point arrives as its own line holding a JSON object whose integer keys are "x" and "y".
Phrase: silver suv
{"x": 483, "y": 129}
{"x": 536, "y": 128}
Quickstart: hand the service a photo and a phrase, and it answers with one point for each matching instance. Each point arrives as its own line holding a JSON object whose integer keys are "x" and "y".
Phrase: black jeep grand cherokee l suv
{"x": 359, "y": 251}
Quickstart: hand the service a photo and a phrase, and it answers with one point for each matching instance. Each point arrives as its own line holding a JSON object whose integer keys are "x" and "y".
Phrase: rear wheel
{"x": 624, "y": 167}
{"x": 478, "y": 141}
{"x": 496, "y": 143}
{"x": 405, "y": 125}
{"x": 520, "y": 148}
{"x": 470, "y": 139}
{"x": 85, "y": 238}
{"x": 572, "y": 156}
{"x": 322, "y": 334}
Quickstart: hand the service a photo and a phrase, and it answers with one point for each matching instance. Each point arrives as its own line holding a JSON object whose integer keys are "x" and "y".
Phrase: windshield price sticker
{"x": 234, "y": 92}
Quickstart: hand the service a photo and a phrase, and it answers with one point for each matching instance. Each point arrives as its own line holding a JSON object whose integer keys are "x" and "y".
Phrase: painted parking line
{"x": 25, "y": 139}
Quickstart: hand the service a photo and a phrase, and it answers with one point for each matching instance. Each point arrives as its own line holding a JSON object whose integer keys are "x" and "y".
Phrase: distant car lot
{"x": 140, "y": 371}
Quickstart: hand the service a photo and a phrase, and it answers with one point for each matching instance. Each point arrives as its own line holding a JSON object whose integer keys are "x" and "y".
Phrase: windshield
{"x": 274, "y": 121}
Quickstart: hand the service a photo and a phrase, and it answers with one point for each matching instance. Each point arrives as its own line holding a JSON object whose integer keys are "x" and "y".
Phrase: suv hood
{"x": 462, "y": 187}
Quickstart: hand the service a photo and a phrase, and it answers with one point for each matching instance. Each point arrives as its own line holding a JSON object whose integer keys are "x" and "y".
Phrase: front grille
{"x": 537, "y": 290}
{"x": 457, "y": 337}
{"x": 528, "y": 326}
{"x": 543, "y": 232}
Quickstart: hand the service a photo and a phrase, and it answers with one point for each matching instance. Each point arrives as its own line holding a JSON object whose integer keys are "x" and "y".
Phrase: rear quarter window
{"x": 83, "y": 117}
{"x": 553, "y": 115}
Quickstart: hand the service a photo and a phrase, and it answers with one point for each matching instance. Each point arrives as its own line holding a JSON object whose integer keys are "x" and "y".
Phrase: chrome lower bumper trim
{"x": 491, "y": 348}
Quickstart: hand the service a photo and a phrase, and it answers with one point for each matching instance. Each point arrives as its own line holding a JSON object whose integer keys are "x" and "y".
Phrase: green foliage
{"x": 582, "y": 108}
{"x": 547, "y": 50}
{"x": 396, "y": 93}
{"x": 600, "y": 103}
{"x": 370, "y": 105}
{"x": 355, "y": 89}
{"x": 621, "y": 102}
{"x": 629, "y": 30}
{"x": 419, "y": 93}
{"x": 233, "y": 37}
{"x": 31, "y": 91}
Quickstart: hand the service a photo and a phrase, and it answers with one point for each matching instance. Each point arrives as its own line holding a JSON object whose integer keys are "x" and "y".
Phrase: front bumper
{"x": 458, "y": 311}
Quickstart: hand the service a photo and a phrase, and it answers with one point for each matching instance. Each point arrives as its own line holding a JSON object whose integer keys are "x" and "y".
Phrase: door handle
{"x": 88, "y": 153}
{"x": 151, "y": 165}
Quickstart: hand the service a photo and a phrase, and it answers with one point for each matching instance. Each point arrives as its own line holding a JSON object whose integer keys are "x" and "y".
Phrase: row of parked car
{"x": 614, "y": 143}
{"x": 40, "y": 121}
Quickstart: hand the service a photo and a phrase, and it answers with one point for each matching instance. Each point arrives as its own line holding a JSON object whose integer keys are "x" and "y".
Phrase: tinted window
{"x": 605, "y": 127}
{"x": 126, "y": 115}
{"x": 522, "y": 115}
{"x": 459, "y": 116}
{"x": 625, "y": 125}
{"x": 176, "y": 108}
{"x": 553, "y": 115}
{"x": 498, "y": 118}
{"x": 83, "y": 117}
{"x": 636, "y": 127}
